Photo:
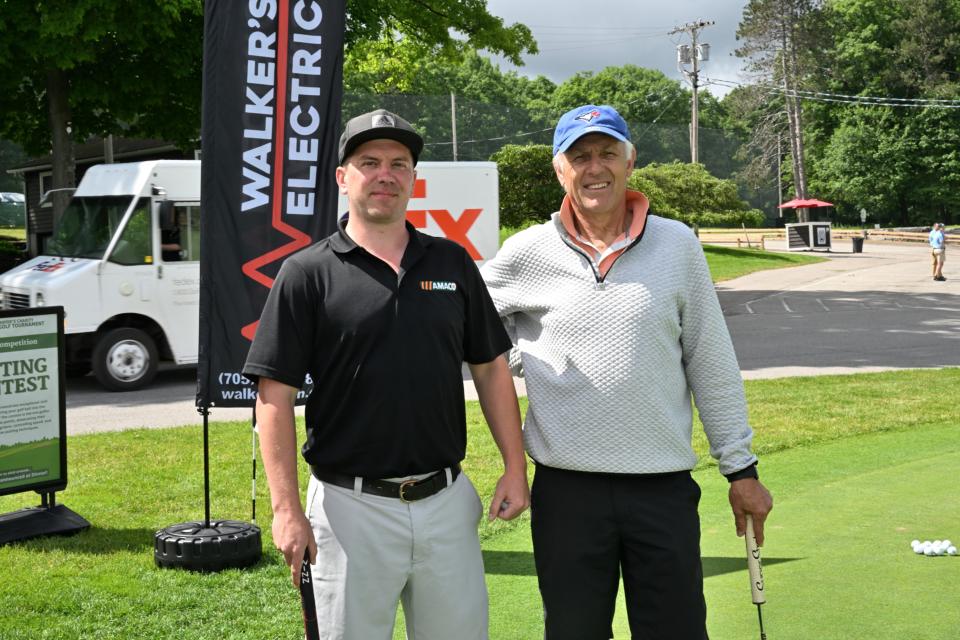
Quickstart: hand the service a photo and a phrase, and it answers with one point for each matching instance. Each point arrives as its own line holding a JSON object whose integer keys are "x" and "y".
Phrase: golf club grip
{"x": 307, "y": 603}
{"x": 753, "y": 564}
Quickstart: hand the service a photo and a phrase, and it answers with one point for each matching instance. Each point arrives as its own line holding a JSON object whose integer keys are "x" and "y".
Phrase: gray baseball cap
{"x": 375, "y": 125}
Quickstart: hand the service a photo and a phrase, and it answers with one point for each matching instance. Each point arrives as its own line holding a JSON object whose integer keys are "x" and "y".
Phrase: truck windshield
{"x": 87, "y": 225}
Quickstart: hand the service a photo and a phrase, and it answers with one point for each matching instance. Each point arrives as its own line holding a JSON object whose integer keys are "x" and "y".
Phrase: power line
{"x": 494, "y": 139}
{"x": 538, "y": 131}
{"x": 822, "y": 96}
{"x": 654, "y": 121}
{"x": 587, "y": 45}
{"x": 582, "y": 28}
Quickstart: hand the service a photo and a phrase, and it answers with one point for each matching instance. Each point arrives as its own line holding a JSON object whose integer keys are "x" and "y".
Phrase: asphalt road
{"x": 168, "y": 402}
{"x": 872, "y": 311}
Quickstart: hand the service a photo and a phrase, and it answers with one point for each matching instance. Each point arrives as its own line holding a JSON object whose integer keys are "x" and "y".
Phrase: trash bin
{"x": 857, "y": 245}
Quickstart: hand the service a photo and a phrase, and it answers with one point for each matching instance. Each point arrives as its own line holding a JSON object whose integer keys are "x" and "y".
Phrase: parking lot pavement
{"x": 168, "y": 402}
{"x": 883, "y": 266}
{"x": 874, "y": 311}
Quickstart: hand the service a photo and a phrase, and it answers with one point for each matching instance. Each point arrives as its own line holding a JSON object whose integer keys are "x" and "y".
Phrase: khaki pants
{"x": 373, "y": 552}
{"x": 939, "y": 257}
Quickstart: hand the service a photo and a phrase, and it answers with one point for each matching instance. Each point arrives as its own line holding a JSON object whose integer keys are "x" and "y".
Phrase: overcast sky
{"x": 579, "y": 35}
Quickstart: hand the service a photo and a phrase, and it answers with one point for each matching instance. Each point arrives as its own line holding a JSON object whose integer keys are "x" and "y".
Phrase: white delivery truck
{"x": 124, "y": 261}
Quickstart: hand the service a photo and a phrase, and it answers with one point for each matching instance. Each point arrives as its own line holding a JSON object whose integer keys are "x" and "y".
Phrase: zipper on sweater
{"x": 619, "y": 255}
{"x": 593, "y": 267}
{"x": 600, "y": 280}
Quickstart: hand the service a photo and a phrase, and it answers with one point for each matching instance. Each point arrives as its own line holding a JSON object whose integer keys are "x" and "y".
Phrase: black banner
{"x": 272, "y": 88}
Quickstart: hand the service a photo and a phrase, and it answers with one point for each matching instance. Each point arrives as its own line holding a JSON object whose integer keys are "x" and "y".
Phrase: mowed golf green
{"x": 850, "y": 493}
{"x": 837, "y": 560}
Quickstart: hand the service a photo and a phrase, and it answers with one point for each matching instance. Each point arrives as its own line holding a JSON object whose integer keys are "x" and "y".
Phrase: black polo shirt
{"x": 384, "y": 350}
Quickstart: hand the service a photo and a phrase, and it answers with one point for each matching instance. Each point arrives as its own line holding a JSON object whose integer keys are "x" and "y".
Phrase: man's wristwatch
{"x": 746, "y": 472}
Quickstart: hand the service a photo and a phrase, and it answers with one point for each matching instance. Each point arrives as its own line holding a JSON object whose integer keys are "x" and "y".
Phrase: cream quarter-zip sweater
{"x": 610, "y": 363}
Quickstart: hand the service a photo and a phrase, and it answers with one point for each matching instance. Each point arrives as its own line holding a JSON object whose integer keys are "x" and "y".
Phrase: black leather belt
{"x": 407, "y": 491}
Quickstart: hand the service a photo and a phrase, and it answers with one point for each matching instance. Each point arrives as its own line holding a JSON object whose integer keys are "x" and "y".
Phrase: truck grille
{"x": 15, "y": 299}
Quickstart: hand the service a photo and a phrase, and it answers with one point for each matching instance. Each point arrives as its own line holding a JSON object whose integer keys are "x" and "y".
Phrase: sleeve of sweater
{"x": 711, "y": 367}
{"x": 500, "y": 276}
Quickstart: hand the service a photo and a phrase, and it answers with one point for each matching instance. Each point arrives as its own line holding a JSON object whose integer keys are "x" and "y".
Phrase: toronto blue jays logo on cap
{"x": 589, "y": 115}
{"x": 383, "y": 120}
{"x": 588, "y": 118}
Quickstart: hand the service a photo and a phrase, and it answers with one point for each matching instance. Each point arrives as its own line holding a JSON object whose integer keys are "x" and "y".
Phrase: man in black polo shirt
{"x": 382, "y": 318}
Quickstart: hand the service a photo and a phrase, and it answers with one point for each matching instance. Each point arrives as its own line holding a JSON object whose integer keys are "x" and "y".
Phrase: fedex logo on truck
{"x": 459, "y": 201}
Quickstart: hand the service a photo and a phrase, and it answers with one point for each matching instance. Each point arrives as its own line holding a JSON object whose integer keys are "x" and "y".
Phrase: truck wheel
{"x": 125, "y": 359}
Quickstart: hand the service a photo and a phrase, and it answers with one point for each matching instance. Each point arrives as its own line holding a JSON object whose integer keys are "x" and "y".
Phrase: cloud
{"x": 575, "y": 36}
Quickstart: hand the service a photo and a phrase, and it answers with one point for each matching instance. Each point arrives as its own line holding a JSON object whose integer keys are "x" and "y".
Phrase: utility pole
{"x": 453, "y": 123}
{"x": 693, "y": 54}
{"x": 779, "y": 175}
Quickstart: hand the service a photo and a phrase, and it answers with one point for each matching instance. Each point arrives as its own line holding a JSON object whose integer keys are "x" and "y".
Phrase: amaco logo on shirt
{"x": 438, "y": 285}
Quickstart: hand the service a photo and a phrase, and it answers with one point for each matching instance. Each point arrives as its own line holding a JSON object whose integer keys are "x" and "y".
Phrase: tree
{"x": 779, "y": 40}
{"x": 868, "y": 161}
{"x": 656, "y": 107}
{"x": 898, "y": 161}
{"x": 755, "y": 117}
{"x": 491, "y": 106}
{"x": 73, "y": 69}
{"x": 529, "y": 190}
{"x": 928, "y": 52}
{"x": 443, "y": 26}
{"x": 638, "y": 94}
{"x": 687, "y": 192}
{"x": 11, "y": 155}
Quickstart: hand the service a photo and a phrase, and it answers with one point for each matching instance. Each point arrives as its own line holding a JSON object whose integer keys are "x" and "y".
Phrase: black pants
{"x": 588, "y": 527}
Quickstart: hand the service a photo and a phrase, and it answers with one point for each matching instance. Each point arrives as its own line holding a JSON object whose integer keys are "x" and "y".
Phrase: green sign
{"x": 32, "y": 426}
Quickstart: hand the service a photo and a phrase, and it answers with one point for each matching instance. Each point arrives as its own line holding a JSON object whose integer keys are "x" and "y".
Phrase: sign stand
{"x": 48, "y": 519}
{"x": 33, "y": 433}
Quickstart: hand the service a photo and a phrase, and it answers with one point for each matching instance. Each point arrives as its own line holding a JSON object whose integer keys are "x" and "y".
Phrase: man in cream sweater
{"x": 616, "y": 323}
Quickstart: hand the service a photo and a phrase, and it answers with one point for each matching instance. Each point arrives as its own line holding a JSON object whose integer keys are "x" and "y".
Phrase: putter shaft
{"x": 763, "y": 636}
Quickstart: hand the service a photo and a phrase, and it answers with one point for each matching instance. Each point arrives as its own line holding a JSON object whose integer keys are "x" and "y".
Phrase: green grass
{"x": 838, "y": 562}
{"x": 859, "y": 465}
{"x": 726, "y": 263}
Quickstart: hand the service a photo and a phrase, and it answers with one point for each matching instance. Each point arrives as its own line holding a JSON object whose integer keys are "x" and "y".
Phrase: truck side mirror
{"x": 167, "y": 219}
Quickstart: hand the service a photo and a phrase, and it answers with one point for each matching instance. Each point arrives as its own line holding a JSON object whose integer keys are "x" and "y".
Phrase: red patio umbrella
{"x": 805, "y": 203}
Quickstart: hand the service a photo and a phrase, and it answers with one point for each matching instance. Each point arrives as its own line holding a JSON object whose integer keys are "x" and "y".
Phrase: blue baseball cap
{"x": 590, "y": 118}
